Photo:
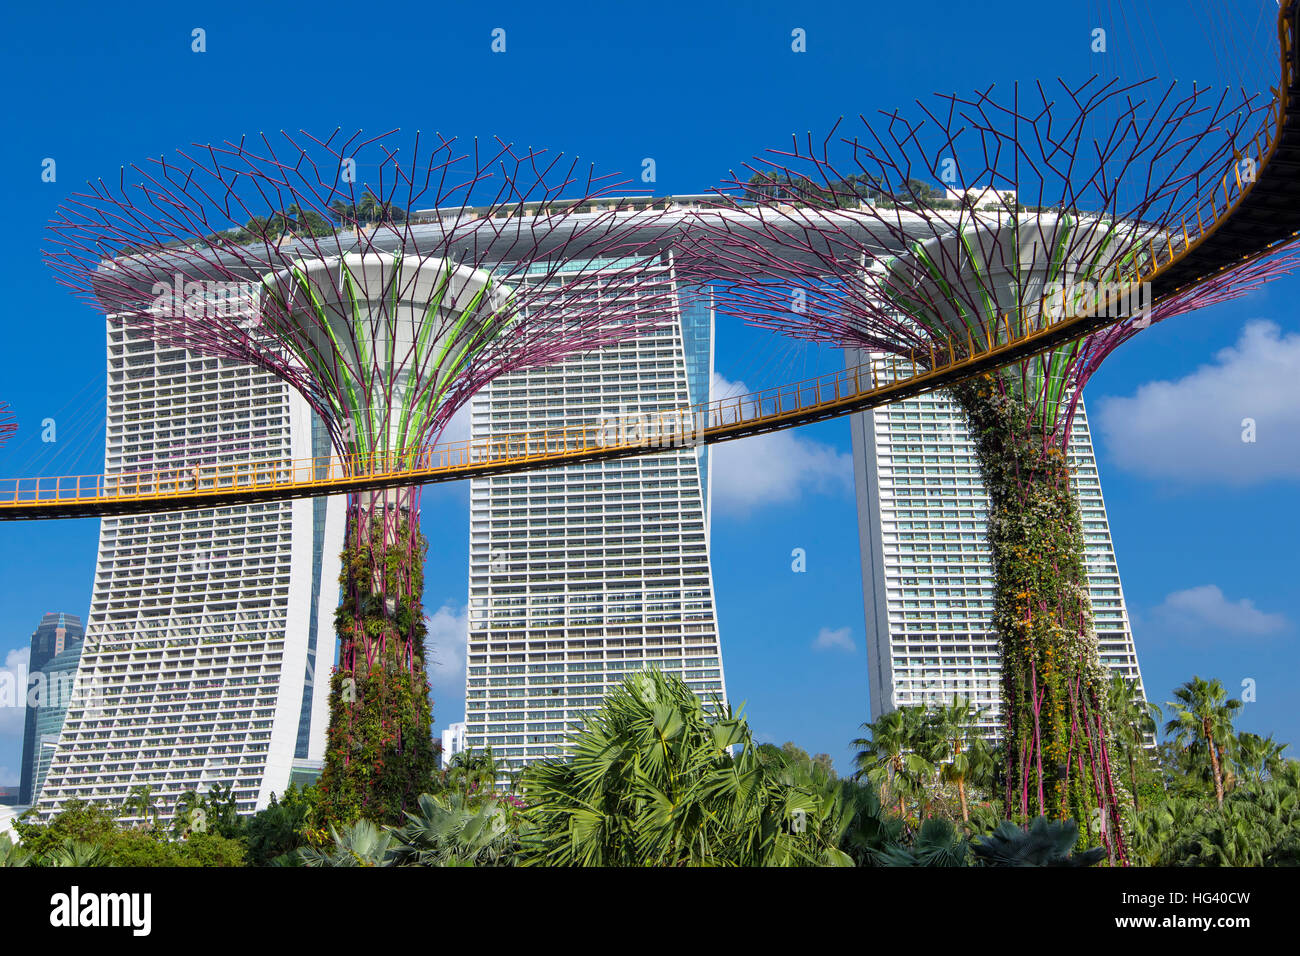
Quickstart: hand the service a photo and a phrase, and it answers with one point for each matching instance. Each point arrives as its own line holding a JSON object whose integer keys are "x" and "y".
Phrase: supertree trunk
{"x": 379, "y": 751}
{"x": 1053, "y": 684}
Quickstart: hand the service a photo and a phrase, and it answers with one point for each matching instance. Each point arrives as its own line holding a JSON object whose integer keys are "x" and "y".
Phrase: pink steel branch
{"x": 799, "y": 257}
{"x": 8, "y": 423}
{"x": 237, "y": 213}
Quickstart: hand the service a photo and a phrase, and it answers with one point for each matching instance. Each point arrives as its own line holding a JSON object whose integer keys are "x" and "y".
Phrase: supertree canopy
{"x": 387, "y": 286}
{"x": 932, "y": 238}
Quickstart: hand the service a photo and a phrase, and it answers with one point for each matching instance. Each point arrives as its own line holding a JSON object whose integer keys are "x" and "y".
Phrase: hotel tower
{"x": 927, "y": 575}
{"x": 581, "y": 575}
{"x": 210, "y": 636}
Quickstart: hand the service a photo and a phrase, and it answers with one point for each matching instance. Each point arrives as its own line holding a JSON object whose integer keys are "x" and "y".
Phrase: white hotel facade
{"x": 927, "y": 574}
{"x": 579, "y": 576}
{"x": 210, "y": 636}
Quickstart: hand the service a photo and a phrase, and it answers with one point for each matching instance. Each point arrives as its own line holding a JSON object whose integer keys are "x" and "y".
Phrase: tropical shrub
{"x": 1257, "y": 825}
{"x": 451, "y": 829}
{"x": 656, "y": 778}
{"x": 273, "y": 835}
{"x": 358, "y": 844}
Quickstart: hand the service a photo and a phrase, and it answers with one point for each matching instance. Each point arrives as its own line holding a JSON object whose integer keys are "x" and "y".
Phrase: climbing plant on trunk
{"x": 379, "y": 756}
{"x": 1053, "y": 685}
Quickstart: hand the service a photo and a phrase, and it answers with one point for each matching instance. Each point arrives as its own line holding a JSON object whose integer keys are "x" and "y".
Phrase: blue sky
{"x": 1205, "y": 525}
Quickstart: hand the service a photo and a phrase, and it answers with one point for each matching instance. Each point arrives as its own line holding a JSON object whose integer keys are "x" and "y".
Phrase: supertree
{"x": 309, "y": 257}
{"x": 1061, "y": 202}
{"x": 8, "y": 423}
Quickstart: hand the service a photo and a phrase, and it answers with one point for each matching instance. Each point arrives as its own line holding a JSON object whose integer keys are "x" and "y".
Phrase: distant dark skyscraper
{"x": 56, "y": 648}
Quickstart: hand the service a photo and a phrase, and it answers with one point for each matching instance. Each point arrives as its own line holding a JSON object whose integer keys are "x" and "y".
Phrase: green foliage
{"x": 789, "y": 752}
{"x": 358, "y": 844}
{"x": 212, "y": 849}
{"x": 651, "y": 780}
{"x": 140, "y": 802}
{"x": 937, "y": 843}
{"x": 911, "y": 752}
{"x": 872, "y": 828}
{"x": 77, "y": 854}
{"x": 1132, "y": 726}
{"x": 1045, "y": 843}
{"x": 369, "y": 210}
{"x": 658, "y": 778}
{"x": 849, "y": 192}
{"x": 962, "y": 754}
{"x": 141, "y": 848}
{"x": 940, "y": 843}
{"x": 85, "y": 834}
{"x": 1257, "y": 758}
{"x": 1183, "y": 772}
{"x": 277, "y": 832}
{"x": 1258, "y": 824}
{"x": 78, "y": 822}
{"x": 892, "y": 756}
{"x": 11, "y": 854}
{"x": 471, "y": 772}
{"x": 452, "y": 829}
{"x": 215, "y": 811}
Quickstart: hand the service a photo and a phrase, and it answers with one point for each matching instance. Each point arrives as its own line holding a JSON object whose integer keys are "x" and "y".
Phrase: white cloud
{"x": 1204, "y": 610}
{"x": 840, "y": 639}
{"x": 13, "y": 692}
{"x": 1191, "y": 430}
{"x": 776, "y": 468}
{"x": 445, "y": 650}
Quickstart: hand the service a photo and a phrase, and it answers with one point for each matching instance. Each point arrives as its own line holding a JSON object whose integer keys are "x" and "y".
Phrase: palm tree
{"x": 1156, "y": 829}
{"x": 889, "y": 756}
{"x": 832, "y": 822}
{"x": 1258, "y": 756}
{"x": 1203, "y": 715}
{"x": 186, "y": 815}
{"x": 649, "y": 781}
{"x": 658, "y": 778}
{"x": 11, "y": 854}
{"x": 1133, "y": 723}
{"x": 1045, "y": 843}
{"x": 1259, "y": 827}
{"x": 963, "y": 754}
{"x": 342, "y": 210}
{"x": 452, "y": 830}
{"x": 472, "y": 772}
{"x": 937, "y": 843}
{"x": 141, "y": 802}
{"x": 860, "y": 825}
{"x": 359, "y": 844}
{"x": 78, "y": 854}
